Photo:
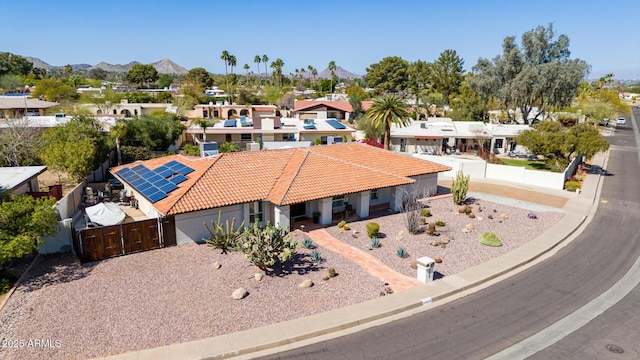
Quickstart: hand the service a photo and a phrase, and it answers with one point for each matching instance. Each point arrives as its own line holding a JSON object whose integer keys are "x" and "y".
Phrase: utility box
{"x": 426, "y": 268}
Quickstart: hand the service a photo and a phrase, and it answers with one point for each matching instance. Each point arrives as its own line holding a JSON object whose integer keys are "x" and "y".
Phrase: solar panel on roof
{"x": 178, "y": 179}
{"x": 154, "y": 177}
{"x": 168, "y": 187}
{"x": 138, "y": 167}
{"x": 144, "y": 186}
{"x": 124, "y": 171}
{"x": 229, "y": 123}
{"x": 165, "y": 172}
{"x": 336, "y": 124}
{"x": 310, "y": 127}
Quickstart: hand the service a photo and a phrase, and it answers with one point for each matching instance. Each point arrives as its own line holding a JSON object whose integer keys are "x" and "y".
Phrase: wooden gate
{"x": 108, "y": 241}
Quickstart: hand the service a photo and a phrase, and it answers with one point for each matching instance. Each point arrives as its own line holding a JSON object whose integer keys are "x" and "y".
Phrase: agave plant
{"x": 375, "y": 242}
{"x": 402, "y": 253}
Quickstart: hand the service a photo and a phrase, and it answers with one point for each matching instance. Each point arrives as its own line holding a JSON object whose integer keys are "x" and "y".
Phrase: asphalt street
{"x": 484, "y": 323}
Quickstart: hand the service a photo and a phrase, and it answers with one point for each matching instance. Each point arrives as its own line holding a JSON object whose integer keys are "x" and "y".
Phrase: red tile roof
{"x": 287, "y": 176}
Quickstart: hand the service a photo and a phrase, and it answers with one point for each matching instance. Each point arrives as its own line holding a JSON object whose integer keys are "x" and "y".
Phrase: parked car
{"x": 621, "y": 121}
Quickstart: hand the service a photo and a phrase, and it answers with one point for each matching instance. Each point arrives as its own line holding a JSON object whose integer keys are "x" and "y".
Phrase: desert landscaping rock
{"x": 164, "y": 296}
{"x": 239, "y": 293}
{"x": 306, "y": 284}
{"x": 258, "y": 276}
{"x": 216, "y": 265}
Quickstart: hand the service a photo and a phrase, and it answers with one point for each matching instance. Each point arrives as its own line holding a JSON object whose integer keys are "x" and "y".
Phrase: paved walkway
{"x": 368, "y": 262}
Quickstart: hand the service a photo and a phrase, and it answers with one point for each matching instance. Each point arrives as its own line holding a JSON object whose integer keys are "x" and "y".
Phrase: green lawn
{"x": 529, "y": 164}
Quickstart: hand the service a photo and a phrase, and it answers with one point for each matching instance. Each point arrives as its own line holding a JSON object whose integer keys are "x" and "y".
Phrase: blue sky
{"x": 353, "y": 33}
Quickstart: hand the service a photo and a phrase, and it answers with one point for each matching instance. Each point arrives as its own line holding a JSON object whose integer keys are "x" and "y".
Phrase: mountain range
{"x": 340, "y": 73}
{"x": 164, "y": 66}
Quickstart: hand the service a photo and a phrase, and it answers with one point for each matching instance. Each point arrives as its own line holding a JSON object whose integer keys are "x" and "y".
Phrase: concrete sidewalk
{"x": 579, "y": 208}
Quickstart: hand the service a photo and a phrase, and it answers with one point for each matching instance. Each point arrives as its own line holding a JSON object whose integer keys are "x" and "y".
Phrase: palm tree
{"x": 310, "y": 68}
{"x": 246, "y": 72}
{"x": 332, "y": 68}
{"x": 265, "y": 59}
{"x": 257, "y": 60}
{"x": 314, "y": 72}
{"x": 277, "y": 66}
{"x": 225, "y": 57}
{"x": 232, "y": 62}
{"x": 302, "y": 71}
{"x": 203, "y": 123}
{"x": 388, "y": 110}
{"x": 118, "y": 131}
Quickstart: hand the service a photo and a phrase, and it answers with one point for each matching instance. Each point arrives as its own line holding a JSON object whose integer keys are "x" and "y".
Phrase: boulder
{"x": 216, "y": 265}
{"x": 258, "y": 276}
{"x": 239, "y": 293}
{"x": 306, "y": 284}
{"x": 437, "y": 259}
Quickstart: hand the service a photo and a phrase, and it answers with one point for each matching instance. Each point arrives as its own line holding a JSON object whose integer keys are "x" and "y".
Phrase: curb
{"x": 19, "y": 281}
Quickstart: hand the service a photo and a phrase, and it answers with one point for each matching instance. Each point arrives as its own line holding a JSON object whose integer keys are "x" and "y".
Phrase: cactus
{"x": 266, "y": 247}
{"x": 331, "y": 272}
{"x": 223, "y": 237}
{"x": 307, "y": 243}
{"x": 346, "y": 227}
{"x": 341, "y": 224}
{"x": 316, "y": 258}
{"x": 402, "y": 253}
{"x": 372, "y": 229}
{"x": 440, "y": 223}
{"x": 423, "y": 221}
{"x": 375, "y": 242}
{"x": 432, "y": 228}
{"x": 459, "y": 188}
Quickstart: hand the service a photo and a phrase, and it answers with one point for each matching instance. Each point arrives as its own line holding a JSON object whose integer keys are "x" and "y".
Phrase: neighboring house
{"x": 264, "y": 129}
{"x": 126, "y": 109}
{"x": 226, "y": 111}
{"x": 438, "y": 136}
{"x": 44, "y": 122}
{"x": 325, "y": 109}
{"x": 20, "y": 179}
{"x": 12, "y": 107}
{"x": 275, "y": 186}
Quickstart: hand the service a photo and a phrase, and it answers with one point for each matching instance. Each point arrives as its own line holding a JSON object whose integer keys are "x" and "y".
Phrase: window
{"x": 255, "y": 211}
{"x": 323, "y": 140}
{"x": 403, "y": 145}
{"x": 498, "y": 144}
{"x": 374, "y": 194}
{"x": 245, "y": 137}
{"x": 205, "y": 113}
{"x": 339, "y": 201}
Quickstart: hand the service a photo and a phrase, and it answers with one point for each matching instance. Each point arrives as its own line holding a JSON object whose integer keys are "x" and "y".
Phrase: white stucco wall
{"x": 425, "y": 185}
{"x": 190, "y": 227}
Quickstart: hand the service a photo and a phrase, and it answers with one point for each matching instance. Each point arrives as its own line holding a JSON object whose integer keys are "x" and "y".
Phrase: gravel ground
{"x": 174, "y": 295}
{"x": 463, "y": 250}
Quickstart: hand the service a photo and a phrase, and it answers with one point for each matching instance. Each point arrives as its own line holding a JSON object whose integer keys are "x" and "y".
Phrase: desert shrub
{"x": 307, "y": 243}
{"x": 571, "y": 185}
{"x": 402, "y": 253}
{"x": 192, "y": 150}
{"x": 532, "y": 215}
{"x": 342, "y": 223}
{"x": 266, "y": 247}
{"x": 315, "y": 256}
{"x": 489, "y": 239}
{"x": 440, "y": 223}
{"x": 372, "y": 229}
{"x": 223, "y": 237}
{"x": 346, "y": 227}
{"x": 375, "y": 242}
{"x": 425, "y": 212}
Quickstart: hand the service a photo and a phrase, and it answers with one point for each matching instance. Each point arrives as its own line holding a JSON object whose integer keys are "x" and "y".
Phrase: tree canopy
{"x": 24, "y": 220}
{"x": 142, "y": 75}
{"x": 53, "y": 89}
{"x": 155, "y": 132}
{"x": 447, "y": 73}
{"x": 552, "y": 140}
{"x": 77, "y": 147}
{"x": 539, "y": 73}
{"x": 389, "y": 76}
{"x": 14, "y": 64}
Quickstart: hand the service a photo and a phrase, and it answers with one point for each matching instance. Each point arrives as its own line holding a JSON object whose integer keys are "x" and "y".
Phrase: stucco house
{"x": 264, "y": 129}
{"x": 275, "y": 186}
{"x": 325, "y": 109}
{"x": 437, "y": 136}
{"x": 12, "y": 107}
